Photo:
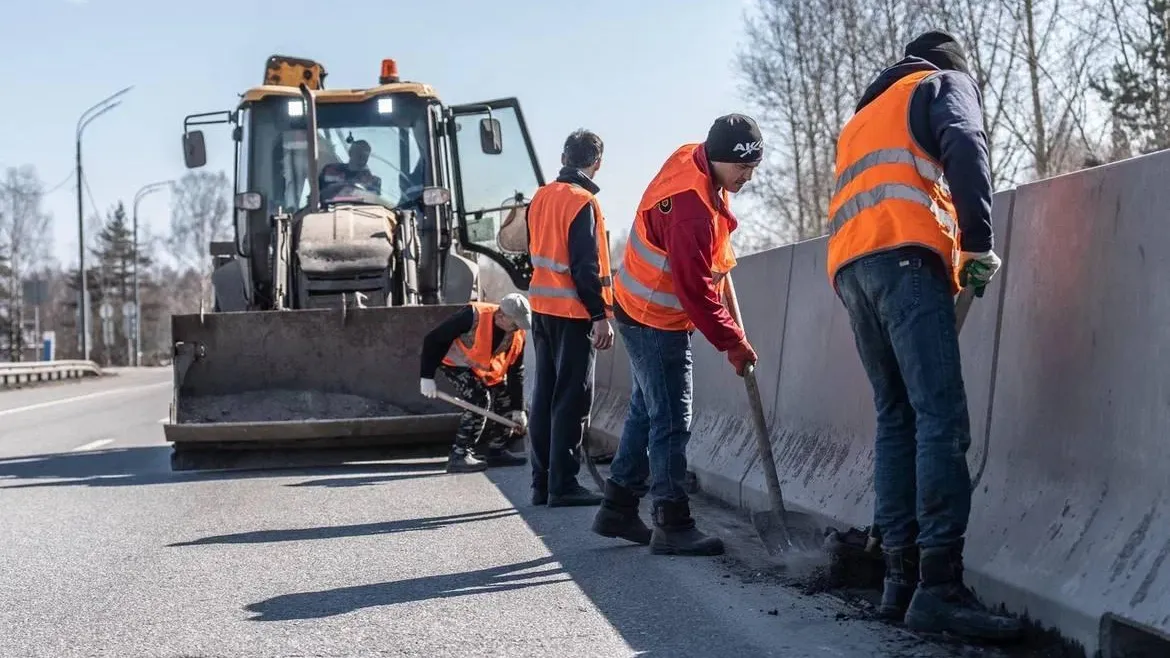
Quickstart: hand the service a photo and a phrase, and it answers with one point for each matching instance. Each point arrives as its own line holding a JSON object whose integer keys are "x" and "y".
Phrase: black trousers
{"x": 562, "y": 398}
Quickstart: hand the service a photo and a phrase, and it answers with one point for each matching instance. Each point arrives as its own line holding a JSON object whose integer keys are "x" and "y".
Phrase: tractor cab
{"x": 384, "y": 183}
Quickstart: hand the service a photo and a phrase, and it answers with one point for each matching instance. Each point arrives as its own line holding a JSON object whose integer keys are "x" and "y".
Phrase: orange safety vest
{"x": 890, "y": 193}
{"x": 643, "y": 286}
{"x": 551, "y": 290}
{"x": 474, "y": 348}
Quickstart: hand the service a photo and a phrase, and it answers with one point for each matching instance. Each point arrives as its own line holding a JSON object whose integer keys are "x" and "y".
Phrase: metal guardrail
{"x": 26, "y": 372}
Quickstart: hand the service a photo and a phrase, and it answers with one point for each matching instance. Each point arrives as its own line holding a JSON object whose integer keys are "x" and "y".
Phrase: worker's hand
{"x": 741, "y": 355}
{"x": 520, "y": 418}
{"x": 976, "y": 269}
{"x": 602, "y": 334}
{"x": 427, "y": 387}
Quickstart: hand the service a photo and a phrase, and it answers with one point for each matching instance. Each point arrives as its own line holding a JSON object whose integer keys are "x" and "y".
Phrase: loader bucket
{"x": 304, "y": 387}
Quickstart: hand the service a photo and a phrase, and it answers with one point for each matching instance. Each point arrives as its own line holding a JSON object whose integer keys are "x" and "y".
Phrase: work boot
{"x": 900, "y": 581}
{"x": 539, "y": 490}
{"x": 500, "y": 457}
{"x": 675, "y": 532}
{"x": 942, "y": 603}
{"x": 575, "y": 496}
{"x": 618, "y": 516}
{"x": 462, "y": 461}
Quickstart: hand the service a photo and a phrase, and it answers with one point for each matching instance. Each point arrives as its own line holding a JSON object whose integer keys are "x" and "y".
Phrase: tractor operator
{"x": 336, "y": 176}
{"x": 480, "y": 349}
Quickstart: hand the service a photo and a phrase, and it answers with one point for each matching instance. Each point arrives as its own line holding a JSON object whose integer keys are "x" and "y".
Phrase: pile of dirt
{"x": 265, "y": 406}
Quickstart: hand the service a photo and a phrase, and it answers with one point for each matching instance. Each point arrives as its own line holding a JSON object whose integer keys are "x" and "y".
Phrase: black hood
{"x": 891, "y": 75}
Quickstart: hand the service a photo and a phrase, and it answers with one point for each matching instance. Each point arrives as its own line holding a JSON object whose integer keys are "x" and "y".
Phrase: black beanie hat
{"x": 735, "y": 138}
{"x": 939, "y": 48}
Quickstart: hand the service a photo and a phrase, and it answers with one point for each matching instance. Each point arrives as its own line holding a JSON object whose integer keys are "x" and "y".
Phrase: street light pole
{"x": 98, "y": 109}
{"x": 144, "y": 191}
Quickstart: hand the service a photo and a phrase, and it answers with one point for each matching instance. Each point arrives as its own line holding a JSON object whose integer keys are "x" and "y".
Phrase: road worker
{"x": 673, "y": 278}
{"x": 571, "y": 296}
{"x": 480, "y": 349}
{"x": 895, "y": 263}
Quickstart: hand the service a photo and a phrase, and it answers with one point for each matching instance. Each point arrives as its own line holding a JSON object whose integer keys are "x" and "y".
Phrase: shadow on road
{"x": 329, "y": 603}
{"x": 358, "y": 530}
{"x": 147, "y": 465}
{"x": 365, "y": 480}
{"x": 639, "y": 594}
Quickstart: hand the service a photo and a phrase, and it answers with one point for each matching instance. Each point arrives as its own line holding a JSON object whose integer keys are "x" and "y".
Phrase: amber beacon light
{"x": 389, "y": 72}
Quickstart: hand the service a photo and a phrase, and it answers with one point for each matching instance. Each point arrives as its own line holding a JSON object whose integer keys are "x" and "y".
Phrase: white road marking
{"x": 79, "y": 398}
{"x": 93, "y": 445}
{"x": 164, "y": 420}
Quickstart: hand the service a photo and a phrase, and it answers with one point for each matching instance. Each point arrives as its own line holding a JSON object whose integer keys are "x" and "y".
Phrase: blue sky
{"x": 647, "y": 75}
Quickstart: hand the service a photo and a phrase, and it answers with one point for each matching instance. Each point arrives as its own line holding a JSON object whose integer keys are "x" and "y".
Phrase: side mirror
{"x": 249, "y": 201}
{"x": 435, "y": 196}
{"x": 222, "y": 249}
{"x": 194, "y": 151}
{"x": 491, "y": 138}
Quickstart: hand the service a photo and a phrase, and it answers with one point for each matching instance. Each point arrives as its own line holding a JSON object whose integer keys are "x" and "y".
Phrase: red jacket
{"x": 686, "y": 235}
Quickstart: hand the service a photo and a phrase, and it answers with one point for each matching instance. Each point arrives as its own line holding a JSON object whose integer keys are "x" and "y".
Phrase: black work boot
{"x": 618, "y": 516}
{"x": 675, "y": 532}
{"x": 462, "y": 461}
{"x": 942, "y": 603}
{"x": 501, "y": 457}
{"x": 539, "y": 491}
{"x": 575, "y": 496}
{"x": 900, "y": 581}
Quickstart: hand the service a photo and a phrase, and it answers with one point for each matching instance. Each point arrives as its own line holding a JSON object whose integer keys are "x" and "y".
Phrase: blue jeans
{"x": 658, "y": 426}
{"x": 903, "y": 316}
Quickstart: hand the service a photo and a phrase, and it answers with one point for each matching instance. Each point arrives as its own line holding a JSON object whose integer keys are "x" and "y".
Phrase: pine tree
{"x": 110, "y": 279}
{"x": 1138, "y": 87}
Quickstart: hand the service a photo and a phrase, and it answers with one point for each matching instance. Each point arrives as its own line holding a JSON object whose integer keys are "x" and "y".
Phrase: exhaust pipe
{"x": 311, "y": 118}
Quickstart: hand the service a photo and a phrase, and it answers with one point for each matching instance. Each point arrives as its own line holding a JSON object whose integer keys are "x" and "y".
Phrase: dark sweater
{"x": 946, "y": 119}
{"x": 439, "y": 340}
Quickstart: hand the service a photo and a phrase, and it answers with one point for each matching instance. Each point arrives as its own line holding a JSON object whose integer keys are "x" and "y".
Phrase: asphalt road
{"x": 105, "y": 552}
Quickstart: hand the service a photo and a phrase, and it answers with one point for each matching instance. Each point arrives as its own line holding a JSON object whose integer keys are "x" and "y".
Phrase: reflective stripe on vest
{"x": 889, "y": 192}
{"x": 552, "y": 290}
{"x": 644, "y": 286}
{"x": 473, "y": 349}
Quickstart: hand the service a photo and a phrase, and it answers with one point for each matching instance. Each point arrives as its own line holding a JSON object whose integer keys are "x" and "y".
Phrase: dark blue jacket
{"x": 946, "y": 119}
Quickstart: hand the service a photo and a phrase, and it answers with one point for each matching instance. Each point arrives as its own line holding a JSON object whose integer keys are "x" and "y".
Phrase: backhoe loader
{"x": 359, "y": 218}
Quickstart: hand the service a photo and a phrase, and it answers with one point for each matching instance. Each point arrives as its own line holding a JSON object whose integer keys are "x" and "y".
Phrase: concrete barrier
{"x": 1065, "y": 375}
{"x": 1071, "y": 520}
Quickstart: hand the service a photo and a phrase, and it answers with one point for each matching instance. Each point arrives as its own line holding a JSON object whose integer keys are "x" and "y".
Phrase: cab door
{"x": 495, "y": 173}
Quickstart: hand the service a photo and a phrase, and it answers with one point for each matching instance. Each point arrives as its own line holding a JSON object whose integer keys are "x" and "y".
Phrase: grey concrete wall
{"x": 1065, "y": 362}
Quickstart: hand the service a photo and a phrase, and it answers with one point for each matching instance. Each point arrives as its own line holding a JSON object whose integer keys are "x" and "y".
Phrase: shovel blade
{"x": 800, "y": 534}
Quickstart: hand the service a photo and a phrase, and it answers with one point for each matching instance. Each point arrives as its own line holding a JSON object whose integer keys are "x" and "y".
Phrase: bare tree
{"x": 1059, "y": 43}
{"x": 805, "y": 66}
{"x": 24, "y": 233}
{"x": 199, "y": 216}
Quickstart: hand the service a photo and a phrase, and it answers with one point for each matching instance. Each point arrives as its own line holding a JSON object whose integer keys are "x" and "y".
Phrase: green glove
{"x": 977, "y": 269}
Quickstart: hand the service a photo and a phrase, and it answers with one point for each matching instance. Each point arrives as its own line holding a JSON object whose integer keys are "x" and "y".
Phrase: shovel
{"x": 490, "y": 415}
{"x": 779, "y": 529}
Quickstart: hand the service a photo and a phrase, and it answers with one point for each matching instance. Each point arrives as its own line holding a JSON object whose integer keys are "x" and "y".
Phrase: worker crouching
{"x": 480, "y": 349}
{"x": 674, "y": 278}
